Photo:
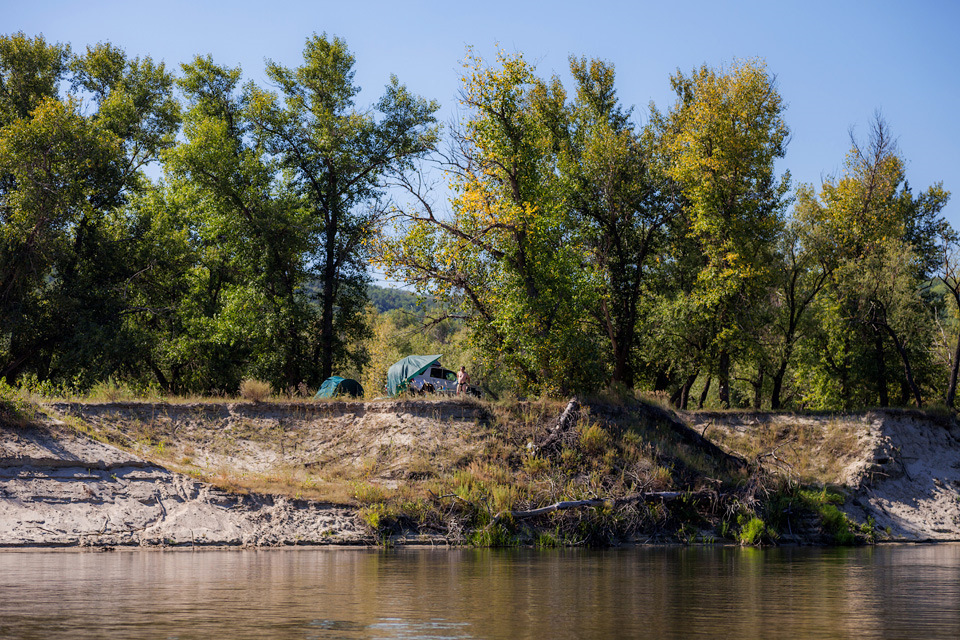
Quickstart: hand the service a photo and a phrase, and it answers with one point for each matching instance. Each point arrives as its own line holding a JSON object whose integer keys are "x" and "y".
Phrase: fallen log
{"x": 649, "y": 496}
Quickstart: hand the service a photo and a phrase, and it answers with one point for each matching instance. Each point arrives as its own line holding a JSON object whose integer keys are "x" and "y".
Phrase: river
{"x": 682, "y": 592}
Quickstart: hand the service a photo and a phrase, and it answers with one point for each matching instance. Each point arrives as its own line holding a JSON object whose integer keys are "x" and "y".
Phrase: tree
{"x": 880, "y": 242}
{"x": 802, "y": 275}
{"x": 949, "y": 275}
{"x": 622, "y": 208}
{"x": 510, "y": 252}
{"x": 719, "y": 143}
{"x": 67, "y": 173}
{"x": 338, "y": 158}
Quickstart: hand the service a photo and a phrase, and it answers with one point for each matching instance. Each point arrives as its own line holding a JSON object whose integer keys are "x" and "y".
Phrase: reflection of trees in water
{"x": 674, "y": 592}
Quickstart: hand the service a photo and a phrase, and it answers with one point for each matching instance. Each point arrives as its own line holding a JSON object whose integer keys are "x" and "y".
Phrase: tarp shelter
{"x": 402, "y": 372}
{"x": 337, "y": 386}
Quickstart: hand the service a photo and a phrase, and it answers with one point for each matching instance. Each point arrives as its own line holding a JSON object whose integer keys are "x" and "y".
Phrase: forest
{"x": 180, "y": 231}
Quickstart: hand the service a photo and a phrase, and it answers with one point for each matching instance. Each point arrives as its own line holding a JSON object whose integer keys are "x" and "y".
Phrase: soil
{"x": 61, "y": 487}
{"x": 900, "y": 468}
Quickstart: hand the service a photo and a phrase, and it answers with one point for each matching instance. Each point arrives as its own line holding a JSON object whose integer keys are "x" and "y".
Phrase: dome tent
{"x": 336, "y": 386}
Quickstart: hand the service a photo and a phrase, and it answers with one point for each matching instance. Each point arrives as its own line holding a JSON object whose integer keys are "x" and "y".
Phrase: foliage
{"x": 719, "y": 142}
{"x": 579, "y": 250}
{"x": 754, "y": 531}
{"x": 75, "y": 133}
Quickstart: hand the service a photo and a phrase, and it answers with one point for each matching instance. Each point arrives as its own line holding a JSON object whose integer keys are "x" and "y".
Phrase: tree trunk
{"x": 685, "y": 392}
{"x": 777, "y": 386}
{"x": 954, "y": 371}
{"x": 881, "y": 369}
{"x": 724, "y": 375}
{"x": 955, "y": 367}
{"x": 662, "y": 381}
{"x": 907, "y": 369}
{"x": 703, "y": 394}
{"x": 622, "y": 371}
{"x": 758, "y": 391}
{"x": 329, "y": 293}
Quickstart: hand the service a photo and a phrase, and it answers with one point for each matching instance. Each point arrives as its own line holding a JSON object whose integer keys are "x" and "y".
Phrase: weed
{"x": 594, "y": 439}
{"x": 367, "y": 493}
{"x": 754, "y": 531}
{"x": 254, "y": 390}
{"x": 14, "y": 408}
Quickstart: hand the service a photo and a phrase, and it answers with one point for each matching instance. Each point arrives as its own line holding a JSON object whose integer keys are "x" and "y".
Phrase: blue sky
{"x": 836, "y": 62}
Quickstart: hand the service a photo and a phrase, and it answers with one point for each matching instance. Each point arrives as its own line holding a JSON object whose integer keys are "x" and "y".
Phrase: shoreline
{"x": 66, "y": 485}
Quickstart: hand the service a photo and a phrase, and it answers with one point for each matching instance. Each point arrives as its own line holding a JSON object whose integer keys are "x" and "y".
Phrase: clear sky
{"x": 836, "y": 62}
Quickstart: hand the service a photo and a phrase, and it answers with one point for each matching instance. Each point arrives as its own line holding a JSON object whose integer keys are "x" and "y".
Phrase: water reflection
{"x": 882, "y": 592}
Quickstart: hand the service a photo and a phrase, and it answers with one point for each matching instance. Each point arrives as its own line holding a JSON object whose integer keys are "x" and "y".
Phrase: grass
{"x": 811, "y": 449}
{"x": 255, "y": 390}
{"x": 450, "y": 467}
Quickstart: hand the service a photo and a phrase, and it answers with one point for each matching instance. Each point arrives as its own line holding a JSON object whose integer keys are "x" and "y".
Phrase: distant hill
{"x": 385, "y": 299}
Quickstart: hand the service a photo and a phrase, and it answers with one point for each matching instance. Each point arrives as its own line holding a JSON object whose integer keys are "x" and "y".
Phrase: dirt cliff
{"x": 82, "y": 474}
{"x": 900, "y": 468}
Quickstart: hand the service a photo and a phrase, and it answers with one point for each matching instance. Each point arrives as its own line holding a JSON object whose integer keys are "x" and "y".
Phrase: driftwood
{"x": 649, "y": 496}
{"x": 564, "y": 425}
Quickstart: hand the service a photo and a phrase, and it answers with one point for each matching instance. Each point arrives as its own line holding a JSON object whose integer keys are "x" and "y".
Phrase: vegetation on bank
{"x": 639, "y": 474}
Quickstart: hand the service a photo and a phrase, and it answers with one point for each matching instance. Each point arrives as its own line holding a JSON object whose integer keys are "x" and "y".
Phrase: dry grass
{"x": 811, "y": 450}
{"x": 418, "y": 462}
{"x": 255, "y": 390}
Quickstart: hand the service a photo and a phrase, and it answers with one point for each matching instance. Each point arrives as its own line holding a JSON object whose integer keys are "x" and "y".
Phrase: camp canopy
{"x": 400, "y": 374}
{"x": 337, "y": 386}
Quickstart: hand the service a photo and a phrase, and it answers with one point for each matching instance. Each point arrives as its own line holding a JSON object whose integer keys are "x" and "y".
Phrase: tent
{"x": 402, "y": 372}
{"x": 337, "y": 386}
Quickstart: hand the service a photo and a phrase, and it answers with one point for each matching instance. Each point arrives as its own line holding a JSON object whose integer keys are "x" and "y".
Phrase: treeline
{"x": 247, "y": 259}
{"x": 579, "y": 250}
{"x": 587, "y": 250}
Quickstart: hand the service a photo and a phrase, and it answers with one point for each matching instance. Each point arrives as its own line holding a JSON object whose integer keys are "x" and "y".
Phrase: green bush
{"x": 754, "y": 531}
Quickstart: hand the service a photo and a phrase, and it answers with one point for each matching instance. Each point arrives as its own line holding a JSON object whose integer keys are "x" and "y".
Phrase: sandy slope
{"x": 909, "y": 480}
{"x": 901, "y": 468}
{"x": 61, "y": 488}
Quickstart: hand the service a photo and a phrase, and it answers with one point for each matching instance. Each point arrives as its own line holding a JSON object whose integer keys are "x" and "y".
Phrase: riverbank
{"x": 468, "y": 472}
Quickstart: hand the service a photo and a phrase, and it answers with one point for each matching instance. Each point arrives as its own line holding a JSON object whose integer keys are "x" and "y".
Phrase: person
{"x": 463, "y": 378}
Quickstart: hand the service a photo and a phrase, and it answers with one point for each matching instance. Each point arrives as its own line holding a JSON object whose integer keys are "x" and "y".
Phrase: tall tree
{"x": 621, "y": 205}
{"x": 881, "y": 243}
{"x": 251, "y": 238}
{"x": 720, "y": 141}
{"x": 338, "y": 158}
{"x": 68, "y": 170}
{"x": 510, "y": 251}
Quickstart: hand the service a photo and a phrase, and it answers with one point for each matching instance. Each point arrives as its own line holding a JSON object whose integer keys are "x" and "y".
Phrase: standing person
{"x": 463, "y": 378}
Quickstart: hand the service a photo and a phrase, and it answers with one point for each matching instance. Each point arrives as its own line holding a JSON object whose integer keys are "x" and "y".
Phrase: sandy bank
{"x": 899, "y": 467}
{"x": 61, "y": 488}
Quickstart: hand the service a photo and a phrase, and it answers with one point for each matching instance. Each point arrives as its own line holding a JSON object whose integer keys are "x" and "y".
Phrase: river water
{"x": 691, "y": 592}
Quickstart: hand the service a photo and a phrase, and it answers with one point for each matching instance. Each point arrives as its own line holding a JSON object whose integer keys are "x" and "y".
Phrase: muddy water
{"x": 884, "y": 592}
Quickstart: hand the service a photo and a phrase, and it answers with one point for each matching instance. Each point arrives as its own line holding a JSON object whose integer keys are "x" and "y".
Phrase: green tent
{"x": 402, "y": 372}
{"x": 337, "y": 386}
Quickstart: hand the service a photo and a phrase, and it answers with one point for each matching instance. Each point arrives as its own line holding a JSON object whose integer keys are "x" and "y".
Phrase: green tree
{"x": 250, "y": 240}
{"x": 511, "y": 252}
{"x": 338, "y": 158}
{"x": 720, "y": 142}
{"x": 67, "y": 172}
{"x": 880, "y": 241}
{"x": 621, "y": 206}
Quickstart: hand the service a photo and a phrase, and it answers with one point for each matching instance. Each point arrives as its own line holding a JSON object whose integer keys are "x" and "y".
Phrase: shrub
{"x": 14, "y": 409}
{"x": 255, "y": 390}
{"x": 594, "y": 439}
{"x": 754, "y": 532}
